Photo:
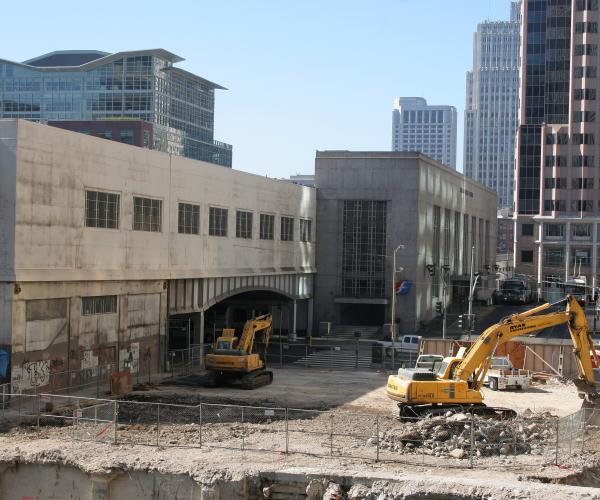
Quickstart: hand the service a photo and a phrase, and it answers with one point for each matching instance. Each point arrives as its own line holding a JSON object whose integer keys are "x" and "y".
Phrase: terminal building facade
{"x": 369, "y": 203}
{"x": 103, "y": 244}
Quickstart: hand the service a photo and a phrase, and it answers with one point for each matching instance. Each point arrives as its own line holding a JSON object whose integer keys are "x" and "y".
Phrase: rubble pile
{"x": 451, "y": 436}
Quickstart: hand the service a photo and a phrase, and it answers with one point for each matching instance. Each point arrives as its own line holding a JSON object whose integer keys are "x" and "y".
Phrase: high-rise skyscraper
{"x": 492, "y": 104}
{"x": 558, "y": 143}
{"x": 417, "y": 126}
{"x": 142, "y": 85}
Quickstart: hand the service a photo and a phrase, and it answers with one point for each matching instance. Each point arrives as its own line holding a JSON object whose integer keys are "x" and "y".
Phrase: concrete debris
{"x": 334, "y": 492}
{"x": 451, "y": 436}
{"x": 315, "y": 489}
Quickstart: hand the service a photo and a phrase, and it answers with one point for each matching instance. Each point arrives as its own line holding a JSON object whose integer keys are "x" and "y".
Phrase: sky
{"x": 302, "y": 75}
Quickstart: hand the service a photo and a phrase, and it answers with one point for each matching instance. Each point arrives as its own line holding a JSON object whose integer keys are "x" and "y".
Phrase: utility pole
{"x": 393, "y": 321}
{"x": 445, "y": 269}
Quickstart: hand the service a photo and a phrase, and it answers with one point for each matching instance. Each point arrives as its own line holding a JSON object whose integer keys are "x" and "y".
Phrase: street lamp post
{"x": 472, "y": 285}
{"x": 445, "y": 269}
{"x": 393, "y": 321}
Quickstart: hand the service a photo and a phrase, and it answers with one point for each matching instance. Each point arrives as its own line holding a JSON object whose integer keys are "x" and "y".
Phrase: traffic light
{"x": 430, "y": 269}
{"x": 438, "y": 307}
{"x": 460, "y": 321}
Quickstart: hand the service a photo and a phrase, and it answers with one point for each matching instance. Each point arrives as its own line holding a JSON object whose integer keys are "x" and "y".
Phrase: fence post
{"x": 38, "y": 412}
{"x": 377, "y": 442}
{"x": 200, "y": 411}
{"x": 472, "y": 444}
{"x": 243, "y": 428}
{"x": 158, "y": 424}
{"x": 287, "y": 437}
{"x": 331, "y": 434}
{"x": 116, "y": 421}
{"x": 556, "y": 450}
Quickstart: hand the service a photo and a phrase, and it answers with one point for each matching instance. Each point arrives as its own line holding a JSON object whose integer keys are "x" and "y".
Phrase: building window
{"x": 267, "y": 224}
{"x": 555, "y": 205}
{"x": 584, "y": 94}
{"x": 586, "y": 49}
{"x": 127, "y": 135}
{"x": 587, "y": 5}
{"x": 105, "y": 134}
{"x": 102, "y": 209}
{"x": 147, "y": 214}
{"x": 585, "y": 71}
{"x": 584, "y": 116}
{"x": 556, "y": 161}
{"x": 581, "y": 230}
{"x": 557, "y": 138}
{"x": 188, "y": 221}
{"x": 583, "y": 183}
{"x": 527, "y": 230}
{"x": 554, "y": 230}
{"x": 581, "y": 256}
{"x": 555, "y": 183}
{"x": 243, "y": 224}
{"x": 287, "y": 228}
{"x": 583, "y": 161}
{"x": 527, "y": 256}
{"x": 586, "y": 27}
{"x": 582, "y": 205}
{"x": 217, "y": 221}
{"x": 364, "y": 248}
{"x": 105, "y": 304}
{"x": 305, "y": 226}
{"x": 553, "y": 257}
{"x": 583, "y": 139}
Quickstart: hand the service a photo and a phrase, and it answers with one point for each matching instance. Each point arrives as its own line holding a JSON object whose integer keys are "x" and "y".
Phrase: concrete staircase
{"x": 344, "y": 359}
{"x": 347, "y": 332}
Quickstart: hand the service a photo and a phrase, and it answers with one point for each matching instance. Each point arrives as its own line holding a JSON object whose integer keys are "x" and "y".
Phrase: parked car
{"x": 514, "y": 291}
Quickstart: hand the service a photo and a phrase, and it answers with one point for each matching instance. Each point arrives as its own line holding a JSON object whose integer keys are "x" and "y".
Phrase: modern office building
{"x": 369, "y": 203}
{"x": 557, "y": 195}
{"x": 144, "y": 85}
{"x": 428, "y": 129}
{"x": 492, "y": 105}
{"x": 104, "y": 245}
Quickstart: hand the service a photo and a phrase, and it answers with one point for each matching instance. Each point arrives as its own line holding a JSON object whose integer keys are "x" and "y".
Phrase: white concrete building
{"x": 428, "y": 129}
{"x": 492, "y": 106}
{"x": 101, "y": 242}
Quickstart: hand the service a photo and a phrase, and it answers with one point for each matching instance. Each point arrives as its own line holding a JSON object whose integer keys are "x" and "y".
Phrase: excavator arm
{"x": 252, "y": 326}
{"x": 477, "y": 361}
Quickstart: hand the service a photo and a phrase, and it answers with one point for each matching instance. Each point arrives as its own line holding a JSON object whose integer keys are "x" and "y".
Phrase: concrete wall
{"x": 48, "y": 254}
{"x": 52, "y": 243}
{"x": 412, "y": 184}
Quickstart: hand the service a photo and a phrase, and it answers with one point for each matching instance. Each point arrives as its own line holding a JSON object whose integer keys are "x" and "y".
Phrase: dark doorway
{"x": 362, "y": 314}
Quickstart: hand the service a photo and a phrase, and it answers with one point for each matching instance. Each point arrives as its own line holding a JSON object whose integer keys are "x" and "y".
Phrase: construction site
{"x": 310, "y": 432}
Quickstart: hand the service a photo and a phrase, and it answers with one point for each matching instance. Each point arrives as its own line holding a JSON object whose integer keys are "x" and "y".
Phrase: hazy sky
{"x": 302, "y": 75}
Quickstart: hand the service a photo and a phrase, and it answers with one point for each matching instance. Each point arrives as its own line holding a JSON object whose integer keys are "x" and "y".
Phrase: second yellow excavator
{"x": 458, "y": 381}
{"x": 235, "y": 361}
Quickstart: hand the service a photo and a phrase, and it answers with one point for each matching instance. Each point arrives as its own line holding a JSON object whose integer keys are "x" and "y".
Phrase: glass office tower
{"x": 140, "y": 85}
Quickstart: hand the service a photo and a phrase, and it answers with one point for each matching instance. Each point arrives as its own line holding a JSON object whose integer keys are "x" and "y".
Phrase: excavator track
{"x": 256, "y": 379}
{"x": 410, "y": 412}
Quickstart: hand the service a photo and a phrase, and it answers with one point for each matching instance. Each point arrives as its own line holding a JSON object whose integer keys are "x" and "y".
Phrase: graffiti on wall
{"x": 129, "y": 357}
{"x": 31, "y": 375}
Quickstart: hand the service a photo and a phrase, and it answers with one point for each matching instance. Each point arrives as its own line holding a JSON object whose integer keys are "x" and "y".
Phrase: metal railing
{"x": 462, "y": 439}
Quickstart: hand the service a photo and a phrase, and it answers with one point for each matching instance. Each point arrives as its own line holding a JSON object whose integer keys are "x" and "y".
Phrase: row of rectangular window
{"x": 577, "y": 160}
{"x": 102, "y": 211}
{"x": 555, "y": 257}
{"x": 576, "y": 205}
{"x": 562, "y": 138}
{"x": 558, "y": 230}
{"x": 561, "y": 183}
{"x": 587, "y": 5}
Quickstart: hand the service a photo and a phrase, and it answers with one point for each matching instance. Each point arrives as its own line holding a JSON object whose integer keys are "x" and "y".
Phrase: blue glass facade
{"x": 142, "y": 85}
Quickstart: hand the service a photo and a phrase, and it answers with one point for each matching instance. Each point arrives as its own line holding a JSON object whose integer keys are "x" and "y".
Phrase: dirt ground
{"x": 358, "y": 391}
{"x": 224, "y": 448}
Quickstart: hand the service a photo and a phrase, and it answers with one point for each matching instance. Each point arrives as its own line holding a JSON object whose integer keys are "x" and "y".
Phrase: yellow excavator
{"x": 234, "y": 361}
{"x": 458, "y": 382}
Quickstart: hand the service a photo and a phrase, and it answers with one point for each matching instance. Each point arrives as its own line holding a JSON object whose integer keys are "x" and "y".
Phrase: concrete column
{"x": 309, "y": 320}
{"x": 292, "y": 335}
{"x": 201, "y": 319}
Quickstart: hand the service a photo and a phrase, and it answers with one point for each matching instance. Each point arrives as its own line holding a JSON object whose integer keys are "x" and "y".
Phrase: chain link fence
{"x": 458, "y": 438}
